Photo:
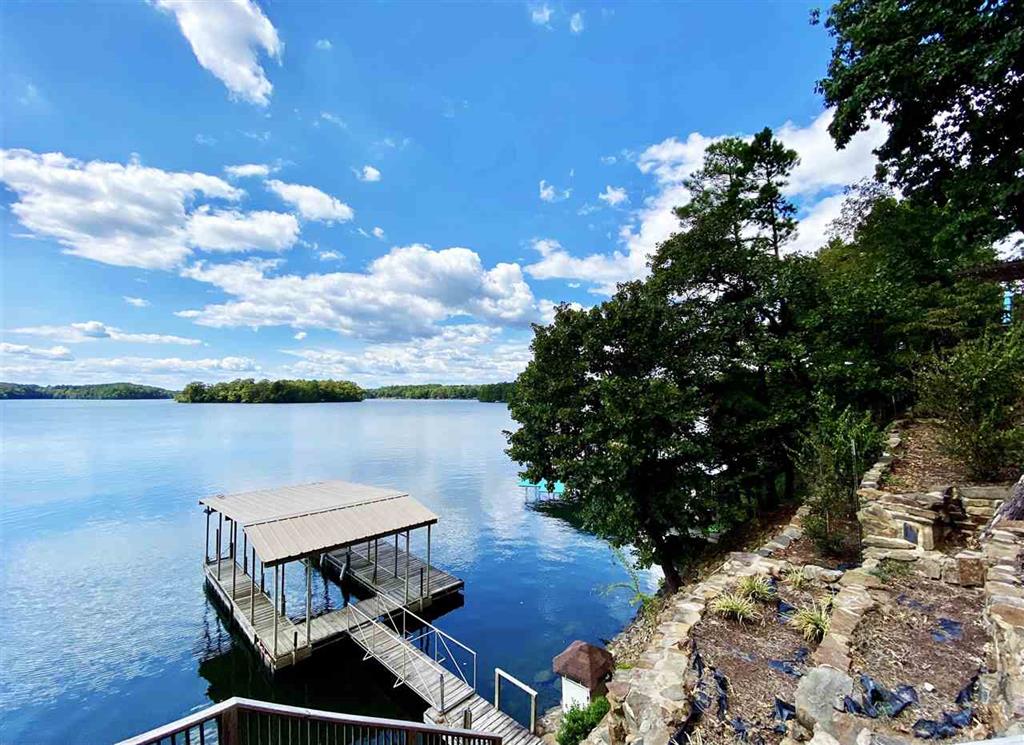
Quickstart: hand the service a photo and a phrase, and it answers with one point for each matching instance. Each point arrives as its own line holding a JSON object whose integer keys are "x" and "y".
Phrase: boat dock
{"x": 352, "y": 530}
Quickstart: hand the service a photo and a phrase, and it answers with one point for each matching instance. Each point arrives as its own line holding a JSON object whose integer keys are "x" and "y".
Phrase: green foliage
{"x": 100, "y": 391}
{"x": 978, "y": 391}
{"x": 834, "y": 452}
{"x": 889, "y": 290}
{"x": 889, "y": 569}
{"x": 734, "y": 605}
{"x": 796, "y": 578}
{"x": 486, "y": 392}
{"x": 647, "y": 604}
{"x": 608, "y": 405}
{"x": 947, "y": 77}
{"x": 249, "y": 391}
{"x": 757, "y": 588}
{"x": 815, "y": 621}
{"x": 578, "y": 722}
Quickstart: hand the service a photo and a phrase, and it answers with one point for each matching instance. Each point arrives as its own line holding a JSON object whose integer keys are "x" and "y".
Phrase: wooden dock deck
{"x": 486, "y": 718}
{"x": 386, "y": 576}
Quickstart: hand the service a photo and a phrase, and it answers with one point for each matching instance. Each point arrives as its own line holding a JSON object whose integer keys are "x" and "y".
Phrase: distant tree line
{"x": 486, "y": 392}
{"x": 101, "y": 391}
{"x": 250, "y": 391}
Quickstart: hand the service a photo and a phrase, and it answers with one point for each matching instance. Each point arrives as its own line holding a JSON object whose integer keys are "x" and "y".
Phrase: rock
{"x": 878, "y": 541}
{"x": 821, "y": 737}
{"x": 860, "y": 578}
{"x": 928, "y": 687}
{"x": 821, "y": 574}
{"x": 970, "y": 569}
{"x": 929, "y": 567}
{"x": 818, "y": 696}
{"x": 832, "y": 652}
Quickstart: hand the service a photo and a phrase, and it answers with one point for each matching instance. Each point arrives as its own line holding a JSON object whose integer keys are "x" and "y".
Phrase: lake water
{"x": 105, "y": 628}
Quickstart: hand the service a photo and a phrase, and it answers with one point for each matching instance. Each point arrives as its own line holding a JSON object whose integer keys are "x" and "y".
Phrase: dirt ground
{"x": 920, "y": 465}
{"x": 930, "y": 634}
{"x": 803, "y": 551}
{"x": 742, "y": 653}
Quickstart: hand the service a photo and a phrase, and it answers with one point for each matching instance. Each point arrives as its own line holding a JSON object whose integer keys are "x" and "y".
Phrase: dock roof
{"x": 294, "y": 522}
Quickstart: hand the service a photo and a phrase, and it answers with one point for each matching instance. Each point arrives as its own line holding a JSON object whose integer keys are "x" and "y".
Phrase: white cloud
{"x": 576, "y": 23}
{"x": 367, "y": 173}
{"x": 312, "y": 203}
{"x": 126, "y": 215}
{"x": 604, "y": 270}
{"x": 609, "y": 160}
{"x": 76, "y": 333}
{"x": 170, "y": 372}
{"x": 300, "y": 335}
{"x": 136, "y": 302}
{"x": 613, "y": 196}
{"x": 331, "y": 256}
{"x": 248, "y": 170}
{"x": 334, "y": 119}
{"x": 202, "y": 139}
{"x": 230, "y": 230}
{"x": 35, "y": 353}
{"x": 227, "y": 38}
{"x": 324, "y": 44}
{"x": 378, "y": 232}
{"x": 548, "y": 193}
{"x": 261, "y": 137}
{"x": 541, "y": 14}
{"x": 822, "y": 171}
{"x": 460, "y": 353}
{"x": 407, "y": 293}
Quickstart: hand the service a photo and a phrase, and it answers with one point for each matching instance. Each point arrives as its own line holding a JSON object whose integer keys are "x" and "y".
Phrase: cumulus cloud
{"x": 35, "y": 353}
{"x": 300, "y": 335}
{"x": 170, "y": 372}
{"x": 136, "y": 302}
{"x": 576, "y": 23}
{"x": 126, "y": 215}
{"x": 367, "y": 173}
{"x": 227, "y": 39}
{"x": 822, "y": 172}
{"x": 76, "y": 333}
{"x": 331, "y": 256}
{"x": 230, "y": 230}
{"x": 459, "y": 353}
{"x": 613, "y": 196}
{"x": 548, "y": 193}
{"x": 312, "y": 203}
{"x": 248, "y": 170}
{"x": 324, "y": 45}
{"x": 378, "y": 232}
{"x": 407, "y": 293}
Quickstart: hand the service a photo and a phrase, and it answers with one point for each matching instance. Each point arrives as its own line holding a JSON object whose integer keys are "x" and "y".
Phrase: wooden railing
{"x": 243, "y": 721}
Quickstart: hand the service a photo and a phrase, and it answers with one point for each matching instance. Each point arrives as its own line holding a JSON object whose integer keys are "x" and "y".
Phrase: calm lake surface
{"x": 105, "y": 628}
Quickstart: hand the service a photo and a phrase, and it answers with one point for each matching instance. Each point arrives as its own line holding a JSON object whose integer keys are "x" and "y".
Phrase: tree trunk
{"x": 790, "y": 474}
{"x": 664, "y": 556}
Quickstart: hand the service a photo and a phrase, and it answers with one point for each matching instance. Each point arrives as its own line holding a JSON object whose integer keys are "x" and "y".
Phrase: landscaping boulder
{"x": 820, "y": 695}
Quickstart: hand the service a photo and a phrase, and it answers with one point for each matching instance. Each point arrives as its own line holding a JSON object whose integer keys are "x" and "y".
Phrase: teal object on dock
{"x": 558, "y": 488}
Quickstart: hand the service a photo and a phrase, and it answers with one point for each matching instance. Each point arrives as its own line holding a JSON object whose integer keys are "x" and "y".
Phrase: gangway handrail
{"x": 230, "y": 721}
{"x": 498, "y": 675}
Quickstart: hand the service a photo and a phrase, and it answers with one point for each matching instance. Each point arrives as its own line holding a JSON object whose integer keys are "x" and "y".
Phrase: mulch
{"x": 931, "y": 633}
{"x": 920, "y": 464}
{"x": 742, "y": 652}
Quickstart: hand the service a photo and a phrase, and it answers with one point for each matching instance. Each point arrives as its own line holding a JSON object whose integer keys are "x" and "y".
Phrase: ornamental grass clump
{"x": 814, "y": 622}
{"x": 758, "y": 588}
{"x": 796, "y": 578}
{"x": 734, "y": 605}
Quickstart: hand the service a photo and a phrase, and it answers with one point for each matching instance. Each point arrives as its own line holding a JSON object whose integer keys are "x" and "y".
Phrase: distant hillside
{"x": 486, "y": 392}
{"x": 100, "y": 391}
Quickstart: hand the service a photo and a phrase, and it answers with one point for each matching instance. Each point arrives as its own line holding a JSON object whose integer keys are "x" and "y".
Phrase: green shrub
{"x": 977, "y": 389}
{"x": 757, "y": 588}
{"x": 734, "y": 605}
{"x": 834, "y": 453}
{"x": 814, "y": 622}
{"x": 578, "y": 722}
{"x": 890, "y": 569}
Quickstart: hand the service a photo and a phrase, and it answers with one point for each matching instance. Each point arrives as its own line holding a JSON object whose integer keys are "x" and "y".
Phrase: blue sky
{"x": 386, "y": 192}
